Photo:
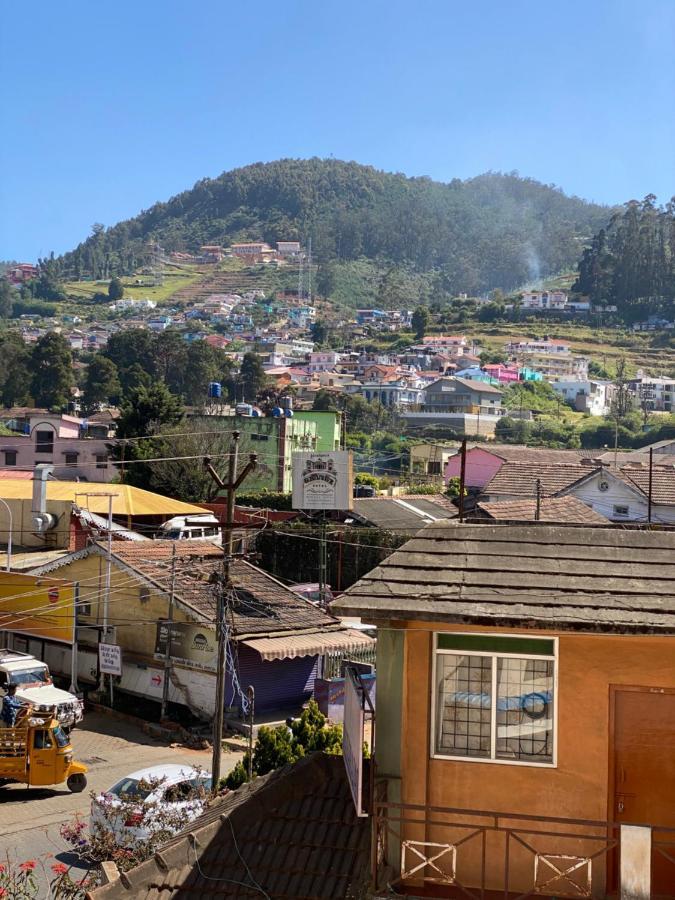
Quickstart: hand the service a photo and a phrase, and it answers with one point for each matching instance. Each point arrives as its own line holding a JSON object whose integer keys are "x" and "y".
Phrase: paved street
{"x": 30, "y": 818}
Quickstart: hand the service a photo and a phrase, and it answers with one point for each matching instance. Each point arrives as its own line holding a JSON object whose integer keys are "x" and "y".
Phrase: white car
{"x": 160, "y": 798}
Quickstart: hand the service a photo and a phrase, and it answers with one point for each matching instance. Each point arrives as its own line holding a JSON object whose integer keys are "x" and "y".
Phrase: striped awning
{"x": 292, "y": 645}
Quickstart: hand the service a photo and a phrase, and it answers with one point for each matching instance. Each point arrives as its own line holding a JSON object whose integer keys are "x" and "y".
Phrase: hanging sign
{"x": 322, "y": 480}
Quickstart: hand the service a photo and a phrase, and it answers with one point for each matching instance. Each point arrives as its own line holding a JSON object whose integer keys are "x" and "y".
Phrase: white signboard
{"x": 110, "y": 659}
{"x": 322, "y": 480}
{"x": 352, "y": 739}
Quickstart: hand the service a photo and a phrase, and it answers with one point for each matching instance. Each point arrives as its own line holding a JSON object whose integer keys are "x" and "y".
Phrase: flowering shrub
{"x": 19, "y": 882}
{"x": 128, "y": 828}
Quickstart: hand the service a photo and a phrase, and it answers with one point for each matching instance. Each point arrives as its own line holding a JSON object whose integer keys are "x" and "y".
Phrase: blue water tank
{"x": 288, "y": 413}
{"x": 277, "y": 412}
{"x": 215, "y": 390}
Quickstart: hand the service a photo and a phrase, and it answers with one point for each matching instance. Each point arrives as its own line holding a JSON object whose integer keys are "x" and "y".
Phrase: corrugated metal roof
{"x": 127, "y": 500}
{"x": 292, "y": 645}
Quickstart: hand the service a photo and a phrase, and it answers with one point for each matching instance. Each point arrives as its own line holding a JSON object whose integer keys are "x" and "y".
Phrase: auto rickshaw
{"x": 37, "y": 752}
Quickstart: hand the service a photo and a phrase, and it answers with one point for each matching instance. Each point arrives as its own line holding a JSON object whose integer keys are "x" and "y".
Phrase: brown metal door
{"x": 644, "y": 771}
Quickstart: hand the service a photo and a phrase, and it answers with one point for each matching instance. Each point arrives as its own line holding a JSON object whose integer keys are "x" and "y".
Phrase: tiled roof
{"x": 561, "y": 510}
{"x": 520, "y": 479}
{"x": 538, "y": 455}
{"x": 552, "y": 576}
{"x": 264, "y": 605}
{"x": 663, "y": 481}
{"x": 291, "y": 834}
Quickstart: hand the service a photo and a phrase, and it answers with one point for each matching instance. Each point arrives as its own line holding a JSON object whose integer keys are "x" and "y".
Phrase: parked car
{"x": 191, "y": 528}
{"x": 34, "y": 685}
{"x": 311, "y": 591}
{"x": 159, "y": 798}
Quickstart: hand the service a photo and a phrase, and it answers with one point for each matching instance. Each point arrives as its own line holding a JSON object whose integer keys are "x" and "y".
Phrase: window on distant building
{"x": 101, "y": 461}
{"x": 71, "y": 459}
{"x": 10, "y": 457}
{"x": 621, "y": 510}
{"x": 44, "y": 441}
{"x": 494, "y": 698}
{"x": 434, "y": 467}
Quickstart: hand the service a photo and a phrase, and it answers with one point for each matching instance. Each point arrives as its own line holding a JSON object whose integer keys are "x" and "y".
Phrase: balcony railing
{"x": 423, "y": 851}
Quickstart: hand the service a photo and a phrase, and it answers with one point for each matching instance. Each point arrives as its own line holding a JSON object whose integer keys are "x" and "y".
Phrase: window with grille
{"x": 494, "y": 698}
{"x": 10, "y": 457}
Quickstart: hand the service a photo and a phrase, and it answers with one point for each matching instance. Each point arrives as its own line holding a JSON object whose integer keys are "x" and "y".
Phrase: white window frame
{"x": 492, "y": 760}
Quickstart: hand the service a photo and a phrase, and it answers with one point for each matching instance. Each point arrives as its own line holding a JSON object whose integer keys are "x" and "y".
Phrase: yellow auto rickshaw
{"x": 37, "y": 752}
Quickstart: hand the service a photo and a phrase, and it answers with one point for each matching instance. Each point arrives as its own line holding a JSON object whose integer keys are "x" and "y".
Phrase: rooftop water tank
{"x": 215, "y": 390}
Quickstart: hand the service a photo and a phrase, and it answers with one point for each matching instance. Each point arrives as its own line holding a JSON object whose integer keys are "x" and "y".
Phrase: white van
{"x": 34, "y": 685}
{"x": 191, "y": 528}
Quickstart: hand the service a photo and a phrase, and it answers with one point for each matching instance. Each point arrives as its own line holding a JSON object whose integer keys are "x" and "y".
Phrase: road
{"x": 30, "y": 818}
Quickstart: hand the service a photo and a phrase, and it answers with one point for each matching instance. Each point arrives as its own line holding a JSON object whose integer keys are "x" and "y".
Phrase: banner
{"x": 353, "y": 734}
{"x": 194, "y": 645}
{"x": 322, "y": 480}
{"x": 38, "y": 605}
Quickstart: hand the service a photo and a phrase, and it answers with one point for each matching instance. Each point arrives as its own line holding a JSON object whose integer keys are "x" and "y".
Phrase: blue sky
{"x": 109, "y": 107}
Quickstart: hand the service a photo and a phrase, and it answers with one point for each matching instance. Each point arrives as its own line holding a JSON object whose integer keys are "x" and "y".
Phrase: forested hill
{"x": 491, "y": 231}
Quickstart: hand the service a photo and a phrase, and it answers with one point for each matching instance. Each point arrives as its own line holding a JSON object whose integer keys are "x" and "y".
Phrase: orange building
{"x": 525, "y": 711}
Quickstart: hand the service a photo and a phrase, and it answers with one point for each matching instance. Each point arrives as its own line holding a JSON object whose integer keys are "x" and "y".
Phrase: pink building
{"x": 502, "y": 373}
{"x": 76, "y": 451}
{"x": 481, "y": 466}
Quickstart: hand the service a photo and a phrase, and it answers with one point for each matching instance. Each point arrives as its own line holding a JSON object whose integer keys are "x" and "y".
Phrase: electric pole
{"x": 224, "y": 590}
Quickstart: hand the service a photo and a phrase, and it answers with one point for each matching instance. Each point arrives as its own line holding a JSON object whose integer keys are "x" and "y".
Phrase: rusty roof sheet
{"x": 262, "y": 605}
{"x": 290, "y": 835}
{"x": 551, "y": 576}
{"x": 562, "y": 510}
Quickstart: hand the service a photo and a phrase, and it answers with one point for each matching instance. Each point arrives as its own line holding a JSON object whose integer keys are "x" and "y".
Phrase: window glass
{"x": 131, "y": 788}
{"x": 10, "y": 457}
{"x": 62, "y": 738}
{"x": 464, "y": 705}
{"x": 30, "y": 676}
{"x": 493, "y": 705}
{"x": 71, "y": 459}
{"x": 525, "y": 709}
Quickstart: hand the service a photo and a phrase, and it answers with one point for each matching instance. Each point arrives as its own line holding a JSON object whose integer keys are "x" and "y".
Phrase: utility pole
{"x": 649, "y": 491}
{"x": 169, "y": 626}
{"x": 323, "y": 561}
{"x": 225, "y": 587}
{"x": 251, "y": 719}
{"x": 537, "y": 514}
{"x": 462, "y": 479}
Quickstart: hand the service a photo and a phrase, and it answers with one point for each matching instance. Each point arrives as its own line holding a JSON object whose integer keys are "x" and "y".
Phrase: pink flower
{"x": 2, "y": 869}
{"x": 59, "y": 868}
{"x": 3, "y": 892}
{"x": 27, "y": 866}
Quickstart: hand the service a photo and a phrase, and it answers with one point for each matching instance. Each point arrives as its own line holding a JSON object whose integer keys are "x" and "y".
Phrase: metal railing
{"x": 454, "y": 852}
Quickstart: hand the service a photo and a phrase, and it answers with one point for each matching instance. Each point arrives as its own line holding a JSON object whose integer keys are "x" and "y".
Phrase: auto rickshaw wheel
{"x": 76, "y": 783}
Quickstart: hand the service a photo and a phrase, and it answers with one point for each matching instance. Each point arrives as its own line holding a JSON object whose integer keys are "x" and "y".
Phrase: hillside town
{"x": 337, "y": 451}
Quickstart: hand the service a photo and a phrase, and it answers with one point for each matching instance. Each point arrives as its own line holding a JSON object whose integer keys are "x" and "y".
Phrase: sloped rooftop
{"x": 558, "y": 577}
{"x": 290, "y": 834}
{"x": 563, "y": 510}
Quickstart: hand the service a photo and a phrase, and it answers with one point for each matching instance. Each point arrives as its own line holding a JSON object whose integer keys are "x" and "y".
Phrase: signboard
{"x": 322, "y": 480}
{"x": 39, "y": 606}
{"x": 194, "y": 645}
{"x": 110, "y": 659}
{"x": 353, "y": 737}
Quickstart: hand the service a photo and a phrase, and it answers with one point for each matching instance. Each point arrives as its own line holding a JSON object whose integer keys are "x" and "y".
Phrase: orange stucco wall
{"x": 578, "y": 785}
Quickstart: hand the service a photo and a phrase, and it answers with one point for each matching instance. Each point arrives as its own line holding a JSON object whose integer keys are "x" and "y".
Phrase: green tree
{"x": 420, "y": 321}
{"x": 204, "y": 364}
{"x": 319, "y": 332}
{"x": 146, "y": 409}
{"x": 170, "y": 355}
{"x": 52, "y": 368}
{"x": 252, "y": 375}
{"x": 8, "y": 297}
{"x": 15, "y": 372}
{"x": 102, "y": 383}
{"x": 115, "y": 289}
{"x": 132, "y": 347}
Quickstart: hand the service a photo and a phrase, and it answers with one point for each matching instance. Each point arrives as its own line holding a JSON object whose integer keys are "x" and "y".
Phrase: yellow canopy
{"x": 127, "y": 500}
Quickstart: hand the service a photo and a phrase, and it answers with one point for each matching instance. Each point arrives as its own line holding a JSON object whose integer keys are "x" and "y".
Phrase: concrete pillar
{"x": 635, "y": 878}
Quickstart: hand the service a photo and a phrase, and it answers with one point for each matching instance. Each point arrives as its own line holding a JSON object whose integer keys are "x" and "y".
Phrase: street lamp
{"x": 9, "y": 538}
